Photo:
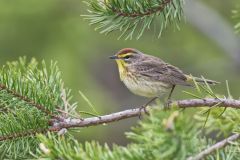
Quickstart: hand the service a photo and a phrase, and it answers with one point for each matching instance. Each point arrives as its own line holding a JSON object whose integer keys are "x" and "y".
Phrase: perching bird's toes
{"x": 140, "y": 111}
{"x": 167, "y": 104}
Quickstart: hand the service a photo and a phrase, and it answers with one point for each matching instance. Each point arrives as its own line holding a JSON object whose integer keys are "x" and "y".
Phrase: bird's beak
{"x": 114, "y": 57}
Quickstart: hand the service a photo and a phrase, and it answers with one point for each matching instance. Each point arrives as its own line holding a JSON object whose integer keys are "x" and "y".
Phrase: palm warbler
{"x": 149, "y": 76}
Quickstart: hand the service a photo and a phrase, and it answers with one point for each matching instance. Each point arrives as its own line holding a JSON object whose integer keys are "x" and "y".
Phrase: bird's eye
{"x": 127, "y": 57}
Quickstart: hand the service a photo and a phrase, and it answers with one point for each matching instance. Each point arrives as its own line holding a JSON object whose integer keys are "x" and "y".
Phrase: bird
{"x": 149, "y": 76}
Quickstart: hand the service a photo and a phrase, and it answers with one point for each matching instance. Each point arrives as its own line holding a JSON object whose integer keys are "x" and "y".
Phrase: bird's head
{"x": 126, "y": 56}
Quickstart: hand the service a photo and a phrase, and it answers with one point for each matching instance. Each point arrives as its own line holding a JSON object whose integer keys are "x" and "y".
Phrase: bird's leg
{"x": 145, "y": 105}
{"x": 169, "y": 101}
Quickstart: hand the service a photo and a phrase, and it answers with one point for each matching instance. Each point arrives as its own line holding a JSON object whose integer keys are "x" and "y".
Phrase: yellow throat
{"x": 121, "y": 68}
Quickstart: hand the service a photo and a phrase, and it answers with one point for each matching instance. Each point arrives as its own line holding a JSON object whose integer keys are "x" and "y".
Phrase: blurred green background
{"x": 54, "y": 30}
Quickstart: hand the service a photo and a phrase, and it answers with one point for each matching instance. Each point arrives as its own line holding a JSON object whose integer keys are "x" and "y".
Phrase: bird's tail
{"x": 201, "y": 80}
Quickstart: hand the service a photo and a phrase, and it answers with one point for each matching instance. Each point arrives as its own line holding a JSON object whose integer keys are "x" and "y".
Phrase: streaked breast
{"x": 143, "y": 86}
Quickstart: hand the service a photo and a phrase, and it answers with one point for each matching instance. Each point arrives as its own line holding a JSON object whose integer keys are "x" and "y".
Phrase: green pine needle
{"x": 228, "y": 90}
{"x": 89, "y": 103}
{"x": 132, "y": 18}
{"x": 192, "y": 94}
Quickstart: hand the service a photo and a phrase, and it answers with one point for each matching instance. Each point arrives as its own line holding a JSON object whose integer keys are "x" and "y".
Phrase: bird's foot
{"x": 145, "y": 106}
{"x": 140, "y": 111}
{"x": 167, "y": 104}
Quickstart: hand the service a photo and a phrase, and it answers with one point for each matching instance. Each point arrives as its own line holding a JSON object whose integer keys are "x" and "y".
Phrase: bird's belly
{"x": 146, "y": 88}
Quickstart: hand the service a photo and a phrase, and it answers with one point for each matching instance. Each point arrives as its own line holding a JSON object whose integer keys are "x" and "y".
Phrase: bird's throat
{"x": 121, "y": 69}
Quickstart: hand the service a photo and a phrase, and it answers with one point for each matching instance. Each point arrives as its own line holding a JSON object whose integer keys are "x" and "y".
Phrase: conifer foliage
{"x": 132, "y": 17}
{"x": 29, "y": 95}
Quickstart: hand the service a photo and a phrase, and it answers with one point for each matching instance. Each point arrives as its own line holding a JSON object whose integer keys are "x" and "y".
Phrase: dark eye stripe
{"x": 127, "y": 56}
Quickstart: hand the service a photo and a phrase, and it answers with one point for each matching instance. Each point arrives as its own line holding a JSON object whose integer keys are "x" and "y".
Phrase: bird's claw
{"x": 167, "y": 104}
{"x": 140, "y": 111}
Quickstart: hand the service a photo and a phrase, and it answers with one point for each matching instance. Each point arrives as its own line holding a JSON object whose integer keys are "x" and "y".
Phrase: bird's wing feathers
{"x": 162, "y": 71}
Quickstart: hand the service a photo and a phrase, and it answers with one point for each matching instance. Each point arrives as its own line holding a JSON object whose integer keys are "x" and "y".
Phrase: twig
{"x": 215, "y": 147}
{"x": 70, "y": 123}
{"x": 209, "y": 102}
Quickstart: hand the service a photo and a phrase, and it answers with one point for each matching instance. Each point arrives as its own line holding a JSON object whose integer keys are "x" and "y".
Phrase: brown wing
{"x": 159, "y": 70}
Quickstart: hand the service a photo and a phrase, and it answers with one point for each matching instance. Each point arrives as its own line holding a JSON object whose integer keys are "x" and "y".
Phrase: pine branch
{"x": 159, "y": 133}
{"x": 215, "y": 147}
{"x": 27, "y": 100}
{"x": 133, "y": 17}
{"x": 173, "y": 141}
{"x": 70, "y": 123}
{"x": 79, "y": 122}
{"x": 208, "y": 102}
{"x": 173, "y": 134}
{"x": 29, "y": 96}
{"x": 148, "y": 11}
{"x": 27, "y": 133}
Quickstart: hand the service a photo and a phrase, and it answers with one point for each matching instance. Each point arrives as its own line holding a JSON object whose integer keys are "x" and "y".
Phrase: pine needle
{"x": 88, "y": 102}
